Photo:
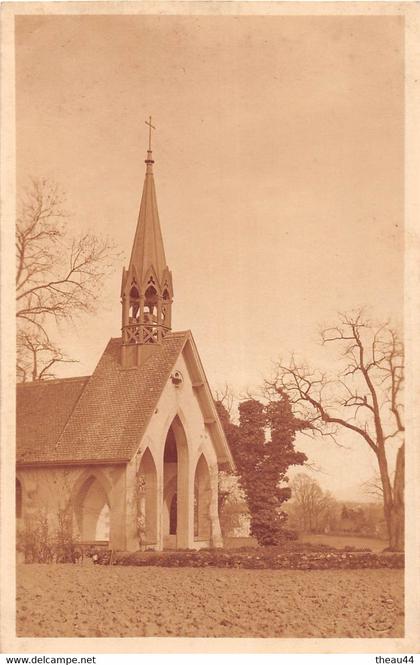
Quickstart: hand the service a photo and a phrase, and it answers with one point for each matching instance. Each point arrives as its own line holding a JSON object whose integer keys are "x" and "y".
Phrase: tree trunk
{"x": 396, "y": 530}
{"x": 396, "y": 521}
{"x": 34, "y": 367}
{"x": 393, "y": 498}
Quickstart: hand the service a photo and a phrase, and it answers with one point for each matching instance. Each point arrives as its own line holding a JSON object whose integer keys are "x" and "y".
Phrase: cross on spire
{"x": 150, "y": 126}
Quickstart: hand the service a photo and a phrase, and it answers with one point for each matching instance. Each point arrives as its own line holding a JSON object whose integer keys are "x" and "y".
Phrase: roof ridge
{"x": 45, "y": 382}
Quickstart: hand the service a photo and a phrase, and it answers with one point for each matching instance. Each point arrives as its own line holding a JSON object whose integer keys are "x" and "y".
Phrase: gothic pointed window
{"x": 150, "y": 317}
{"x": 134, "y": 304}
{"x": 150, "y": 304}
{"x": 166, "y": 304}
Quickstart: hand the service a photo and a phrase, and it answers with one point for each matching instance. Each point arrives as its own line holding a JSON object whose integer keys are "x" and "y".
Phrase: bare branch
{"x": 226, "y": 398}
{"x": 36, "y": 355}
{"x": 45, "y": 287}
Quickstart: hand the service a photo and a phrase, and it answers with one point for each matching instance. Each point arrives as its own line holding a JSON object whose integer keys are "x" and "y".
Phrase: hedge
{"x": 262, "y": 558}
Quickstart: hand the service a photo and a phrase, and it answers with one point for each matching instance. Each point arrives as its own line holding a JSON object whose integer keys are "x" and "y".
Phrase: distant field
{"x": 375, "y": 544}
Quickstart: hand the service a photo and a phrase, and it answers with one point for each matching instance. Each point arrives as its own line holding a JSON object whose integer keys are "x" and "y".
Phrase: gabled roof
{"x": 102, "y": 418}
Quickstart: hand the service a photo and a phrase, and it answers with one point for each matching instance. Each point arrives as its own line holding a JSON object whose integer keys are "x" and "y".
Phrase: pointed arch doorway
{"x": 147, "y": 501}
{"x": 202, "y": 499}
{"x": 176, "y": 517}
{"x": 92, "y": 511}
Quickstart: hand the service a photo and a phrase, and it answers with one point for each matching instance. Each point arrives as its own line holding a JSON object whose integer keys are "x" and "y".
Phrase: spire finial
{"x": 150, "y": 126}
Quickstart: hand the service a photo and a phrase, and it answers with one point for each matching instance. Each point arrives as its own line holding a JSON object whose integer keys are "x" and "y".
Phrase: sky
{"x": 278, "y": 167}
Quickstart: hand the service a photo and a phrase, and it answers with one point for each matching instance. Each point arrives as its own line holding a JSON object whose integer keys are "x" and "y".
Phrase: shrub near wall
{"x": 270, "y": 559}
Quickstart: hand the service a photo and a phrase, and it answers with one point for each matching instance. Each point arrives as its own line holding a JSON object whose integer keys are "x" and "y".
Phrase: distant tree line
{"x": 312, "y": 510}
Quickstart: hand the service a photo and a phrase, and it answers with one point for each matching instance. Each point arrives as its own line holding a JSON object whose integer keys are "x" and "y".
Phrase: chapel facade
{"x": 134, "y": 451}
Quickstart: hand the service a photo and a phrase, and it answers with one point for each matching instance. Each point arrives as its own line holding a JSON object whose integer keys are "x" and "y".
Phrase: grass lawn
{"x": 375, "y": 544}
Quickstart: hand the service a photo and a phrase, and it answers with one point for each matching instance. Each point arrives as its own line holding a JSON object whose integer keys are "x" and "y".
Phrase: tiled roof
{"x": 104, "y": 419}
{"x": 42, "y": 409}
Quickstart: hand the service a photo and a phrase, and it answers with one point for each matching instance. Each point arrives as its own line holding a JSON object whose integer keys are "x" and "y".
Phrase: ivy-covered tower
{"x": 146, "y": 287}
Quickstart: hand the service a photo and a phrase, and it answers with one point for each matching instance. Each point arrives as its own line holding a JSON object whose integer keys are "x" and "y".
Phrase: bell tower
{"x": 146, "y": 286}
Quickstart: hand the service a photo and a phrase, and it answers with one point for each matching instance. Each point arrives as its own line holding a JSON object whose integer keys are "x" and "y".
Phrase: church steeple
{"x": 146, "y": 288}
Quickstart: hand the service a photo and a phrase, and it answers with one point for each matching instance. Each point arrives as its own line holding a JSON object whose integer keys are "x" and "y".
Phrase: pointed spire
{"x": 148, "y": 251}
{"x": 146, "y": 289}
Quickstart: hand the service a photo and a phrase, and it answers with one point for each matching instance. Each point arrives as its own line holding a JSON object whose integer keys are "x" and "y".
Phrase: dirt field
{"x": 86, "y": 600}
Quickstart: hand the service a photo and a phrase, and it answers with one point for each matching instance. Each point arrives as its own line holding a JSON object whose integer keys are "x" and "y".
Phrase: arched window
{"x": 166, "y": 308}
{"x": 151, "y": 296}
{"x": 134, "y": 304}
{"x": 150, "y": 305}
{"x": 134, "y": 294}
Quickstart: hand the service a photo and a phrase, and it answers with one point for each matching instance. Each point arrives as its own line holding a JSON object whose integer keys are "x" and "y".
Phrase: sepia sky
{"x": 279, "y": 175}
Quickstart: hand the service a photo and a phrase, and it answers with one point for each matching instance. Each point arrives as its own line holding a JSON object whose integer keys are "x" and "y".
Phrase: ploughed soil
{"x": 73, "y": 600}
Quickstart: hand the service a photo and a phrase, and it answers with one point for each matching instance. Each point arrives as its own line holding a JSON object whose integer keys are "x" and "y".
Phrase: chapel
{"x": 133, "y": 451}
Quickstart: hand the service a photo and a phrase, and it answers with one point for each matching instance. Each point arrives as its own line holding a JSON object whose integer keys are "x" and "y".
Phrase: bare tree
{"x": 226, "y": 397}
{"x": 37, "y": 356}
{"x": 364, "y": 397}
{"x": 373, "y": 487}
{"x": 313, "y": 508}
{"x": 57, "y": 277}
